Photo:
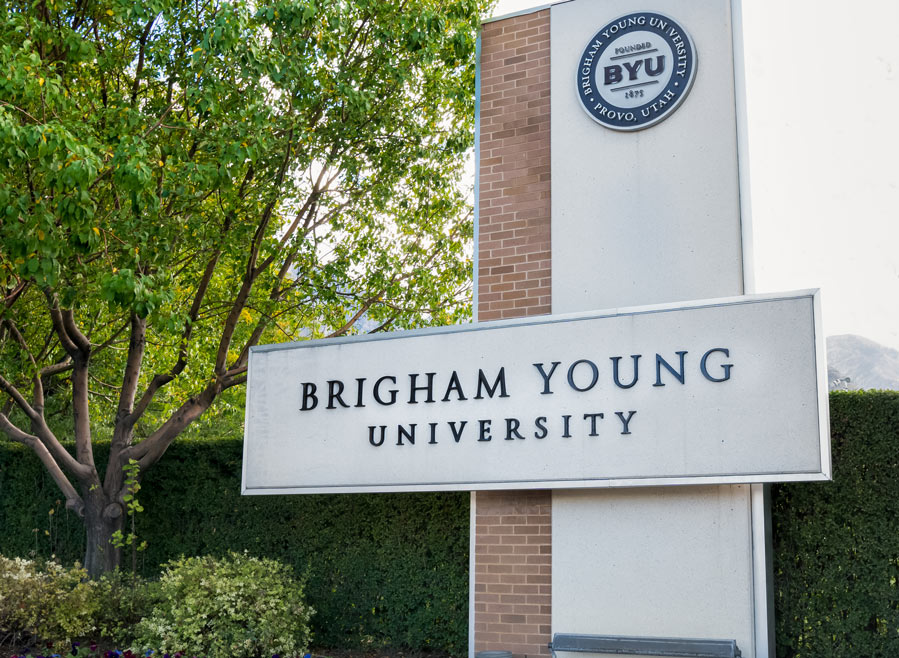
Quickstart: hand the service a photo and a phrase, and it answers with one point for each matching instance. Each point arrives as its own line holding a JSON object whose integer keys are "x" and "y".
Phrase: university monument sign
{"x": 623, "y": 399}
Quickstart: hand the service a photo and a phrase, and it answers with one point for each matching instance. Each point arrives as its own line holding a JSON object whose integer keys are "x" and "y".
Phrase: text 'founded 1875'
{"x": 635, "y": 71}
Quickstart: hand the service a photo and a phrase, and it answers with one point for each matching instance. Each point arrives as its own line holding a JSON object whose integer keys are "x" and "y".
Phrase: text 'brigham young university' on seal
{"x": 635, "y": 71}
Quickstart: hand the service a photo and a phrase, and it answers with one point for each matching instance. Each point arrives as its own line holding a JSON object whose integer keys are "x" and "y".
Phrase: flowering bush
{"x": 237, "y": 606}
{"x": 232, "y": 607}
{"x": 45, "y": 600}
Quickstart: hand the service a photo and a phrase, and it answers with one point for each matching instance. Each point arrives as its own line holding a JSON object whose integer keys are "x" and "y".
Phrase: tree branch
{"x": 256, "y": 244}
{"x": 18, "y": 398}
{"x": 109, "y": 341}
{"x": 274, "y": 296}
{"x": 153, "y": 128}
{"x": 384, "y": 325}
{"x": 161, "y": 380}
{"x": 142, "y": 45}
{"x": 136, "y": 346}
{"x": 59, "y": 327}
{"x": 151, "y": 449}
{"x": 73, "y": 500}
{"x": 16, "y": 107}
{"x": 79, "y": 348}
{"x": 362, "y": 309}
{"x": 56, "y": 368}
{"x": 235, "y": 380}
{"x": 38, "y": 391}
{"x": 43, "y": 431}
{"x": 81, "y": 412}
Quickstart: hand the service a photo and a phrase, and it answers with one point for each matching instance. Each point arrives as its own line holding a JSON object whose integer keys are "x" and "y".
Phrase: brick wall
{"x": 513, "y": 571}
{"x": 514, "y": 201}
{"x": 513, "y": 529}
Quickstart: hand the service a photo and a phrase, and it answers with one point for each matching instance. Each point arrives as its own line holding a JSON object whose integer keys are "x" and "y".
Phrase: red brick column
{"x": 513, "y": 571}
{"x": 514, "y": 201}
{"x": 513, "y": 529}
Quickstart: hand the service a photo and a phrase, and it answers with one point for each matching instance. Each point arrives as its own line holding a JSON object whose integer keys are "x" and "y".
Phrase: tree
{"x": 182, "y": 180}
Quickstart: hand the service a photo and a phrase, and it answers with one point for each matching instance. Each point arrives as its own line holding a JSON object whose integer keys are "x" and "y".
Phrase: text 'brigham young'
{"x": 548, "y": 378}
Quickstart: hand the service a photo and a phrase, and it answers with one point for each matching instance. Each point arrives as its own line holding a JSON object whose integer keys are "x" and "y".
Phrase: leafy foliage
{"x": 836, "y": 552}
{"x": 125, "y": 599}
{"x": 386, "y": 570}
{"x": 181, "y": 181}
{"x": 232, "y": 607}
{"x": 45, "y": 600}
{"x": 133, "y": 508}
{"x": 236, "y": 606}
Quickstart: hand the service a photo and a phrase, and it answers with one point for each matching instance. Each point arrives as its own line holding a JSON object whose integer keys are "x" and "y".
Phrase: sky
{"x": 823, "y": 105}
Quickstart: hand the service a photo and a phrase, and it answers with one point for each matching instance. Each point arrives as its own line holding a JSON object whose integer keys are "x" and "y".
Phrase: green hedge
{"x": 382, "y": 570}
{"x": 392, "y": 569}
{"x": 836, "y": 544}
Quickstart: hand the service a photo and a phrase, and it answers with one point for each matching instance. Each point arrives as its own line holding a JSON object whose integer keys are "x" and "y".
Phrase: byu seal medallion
{"x": 636, "y": 71}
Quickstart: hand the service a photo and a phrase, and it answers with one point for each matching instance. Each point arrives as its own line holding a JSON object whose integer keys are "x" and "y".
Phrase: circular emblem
{"x": 636, "y": 71}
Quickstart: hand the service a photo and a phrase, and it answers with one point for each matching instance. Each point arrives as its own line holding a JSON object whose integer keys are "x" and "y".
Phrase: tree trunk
{"x": 101, "y": 520}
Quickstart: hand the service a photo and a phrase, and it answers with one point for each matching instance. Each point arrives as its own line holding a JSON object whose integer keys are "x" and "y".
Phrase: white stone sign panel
{"x": 720, "y": 391}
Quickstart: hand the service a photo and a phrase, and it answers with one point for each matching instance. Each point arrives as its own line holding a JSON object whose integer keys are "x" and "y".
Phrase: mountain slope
{"x": 866, "y": 363}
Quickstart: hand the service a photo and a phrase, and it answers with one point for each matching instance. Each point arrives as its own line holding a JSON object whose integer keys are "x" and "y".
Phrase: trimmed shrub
{"x": 392, "y": 569}
{"x": 45, "y": 601}
{"x": 836, "y": 544}
{"x": 232, "y": 607}
{"x": 381, "y": 570}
